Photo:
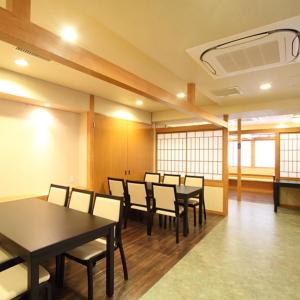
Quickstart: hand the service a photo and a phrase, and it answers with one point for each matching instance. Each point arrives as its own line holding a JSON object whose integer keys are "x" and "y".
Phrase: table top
{"x": 287, "y": 181}
{"x": 181, "y": 190}
{"x": 35, "y": 224}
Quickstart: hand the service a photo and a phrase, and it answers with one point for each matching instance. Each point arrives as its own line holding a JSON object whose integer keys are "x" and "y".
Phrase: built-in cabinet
{"x": 123, "y": 149}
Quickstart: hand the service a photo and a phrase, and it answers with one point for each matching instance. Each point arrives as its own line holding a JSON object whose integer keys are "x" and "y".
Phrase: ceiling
{"x": 150, "y": 39}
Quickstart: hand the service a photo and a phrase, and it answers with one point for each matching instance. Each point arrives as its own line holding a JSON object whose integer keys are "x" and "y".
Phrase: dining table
{"x": 36, "y": 230}
{"x": 184, "y": 193}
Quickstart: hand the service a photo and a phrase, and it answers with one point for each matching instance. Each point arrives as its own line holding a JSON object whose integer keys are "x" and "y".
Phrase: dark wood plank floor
{"x": 148, "y": 259}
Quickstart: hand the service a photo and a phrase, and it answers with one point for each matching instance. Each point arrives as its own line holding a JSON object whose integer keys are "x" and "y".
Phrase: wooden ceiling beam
{"x": 20, "y": 8}
{"x": 27, "y": 35}
{"x": 191, "y": 93}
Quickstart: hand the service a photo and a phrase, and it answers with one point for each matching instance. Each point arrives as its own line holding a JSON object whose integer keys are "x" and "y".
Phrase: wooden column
{"x": 91, "y": 144}
{"x": 277, "y": 155}
{"x": 239, "y": 160}
{"x": 191, "y": 93}
{"x": 225, "y": 168}
{"x": 20, "y": 8}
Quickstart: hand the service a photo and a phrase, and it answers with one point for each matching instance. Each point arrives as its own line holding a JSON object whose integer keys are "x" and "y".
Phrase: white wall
{"x": 38, "y": 146}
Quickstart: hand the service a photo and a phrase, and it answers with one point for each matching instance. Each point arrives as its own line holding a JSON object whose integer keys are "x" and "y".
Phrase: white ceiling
{"x": 150, "y": 38}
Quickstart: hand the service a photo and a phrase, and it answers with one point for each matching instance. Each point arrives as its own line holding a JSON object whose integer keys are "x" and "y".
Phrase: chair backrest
{"x": 137, "y": 191}
{"x": 109, "y": 207}
{"x": 171, "y": 179}
{"x": 81, "y": 200}
{"x": 152, "y": 177}
{"x": 165, "y": 197}
{"x": 116, "y": 187}
{"x": 197, "y": 181}
{"x": 58, "y": 194}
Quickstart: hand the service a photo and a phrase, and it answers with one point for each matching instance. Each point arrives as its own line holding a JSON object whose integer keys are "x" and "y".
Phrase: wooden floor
{"x": 148, "y": 259}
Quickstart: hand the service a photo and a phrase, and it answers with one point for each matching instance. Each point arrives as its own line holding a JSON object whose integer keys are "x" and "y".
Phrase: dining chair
{"x": 197, "y": 181}
{"x": 139, "y": 199}
{"x": 81, "y": 200}
{"x": 7, "y": 259}
{"x": 13, "y": 282}
{"x": 58, "y": 194}
{"x": 152, "y": 177}
{"x": 166, "y": 203}
{"x": 171, "y": 179}
{"x": 109, "y": 207}
{"x": 117, "y": 187}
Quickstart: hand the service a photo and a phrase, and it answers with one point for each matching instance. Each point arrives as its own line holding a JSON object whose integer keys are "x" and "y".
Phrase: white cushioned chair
{"x": 7, "y": 259}
{"x": 13, "y": 282}
{"x": 140, "y": 200}
{"x": 81, "y": 200}
{"x": 152, "y": 177}
{"x": 109, "y": 207}
{"x": 166, "y": 203}
{"x": 196, "y": 181}
{"x": 58, "y": 194}
{"x": 171, "y": 179}
{"x": 117, "y": 187}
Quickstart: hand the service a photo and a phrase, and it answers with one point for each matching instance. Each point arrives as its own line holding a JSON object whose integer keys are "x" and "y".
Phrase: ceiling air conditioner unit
{"x": 249, "y": 53}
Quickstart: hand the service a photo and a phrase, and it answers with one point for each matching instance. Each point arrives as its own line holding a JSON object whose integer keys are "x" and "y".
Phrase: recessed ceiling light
{"x": 47, "y": 105}
{"x": 265, "y": 86}
{"x": 180, "y": 95}
{"x": 68, "y": 34}
{"x": 21, "y": 62}
{"x": 139, "y": 102}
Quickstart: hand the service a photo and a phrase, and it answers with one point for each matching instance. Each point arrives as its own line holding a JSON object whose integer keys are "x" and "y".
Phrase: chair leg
{"x": 194, "y": 208}
{"x": 177, "y": 230}
{"x": 165, "y": 222}
{"x": 90, "y": 280}
{"x": 160, "y": 220}
{"x": 60, "y": 269}
{"x": 149, "y": 223}
{"x": 123, "y": 260}
{"x": 125, "y": 216}
{"x": 49, "y": 291}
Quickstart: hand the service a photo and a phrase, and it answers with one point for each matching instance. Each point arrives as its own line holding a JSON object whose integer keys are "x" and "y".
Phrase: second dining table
{"x": 184, "y": 193}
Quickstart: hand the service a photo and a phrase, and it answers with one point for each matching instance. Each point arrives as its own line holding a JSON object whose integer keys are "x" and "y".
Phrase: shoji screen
{"x": 290, "y": 155}
{"x": 205, "y": 154}
{"x": 171, "y": 153}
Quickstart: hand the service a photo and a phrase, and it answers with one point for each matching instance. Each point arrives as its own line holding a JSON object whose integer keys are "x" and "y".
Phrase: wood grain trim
{"x": 91, "y": 144}
{"x": 225, "y": 169}
{"x": 20, "y": 8}
{"x": 213, "y": 183}
{"x": 239, "y": 161}
{"x": 187, "y": 128}
{"x": 270, "y": 130}
{"x": 46, "y": 44}
{"x": 191, "y": 93}
{"x": 277, "y": 155}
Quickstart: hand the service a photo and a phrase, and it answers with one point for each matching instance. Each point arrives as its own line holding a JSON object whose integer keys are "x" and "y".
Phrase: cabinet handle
{"x": 125, "y": 172}
{"x": 128, "y": 172}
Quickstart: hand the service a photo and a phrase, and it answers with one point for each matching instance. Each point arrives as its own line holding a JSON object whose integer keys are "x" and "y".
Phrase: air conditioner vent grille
{"x": 31, "y": 53}
{"x": 226, "y": 92}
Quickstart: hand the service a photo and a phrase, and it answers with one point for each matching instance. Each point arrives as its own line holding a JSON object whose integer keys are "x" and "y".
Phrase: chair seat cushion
{"x": 191, "y": 201}
{"x": 89, "y": 250}
{"x": 169, "y": 213}
{"x": 5, "y": 256}
{"x": 13, "y": 281}
{"x": 143, "y": 208}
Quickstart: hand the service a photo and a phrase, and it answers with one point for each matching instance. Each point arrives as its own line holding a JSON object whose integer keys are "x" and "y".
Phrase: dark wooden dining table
{"x": 183, "y": 193}
{"x": 278, "y": 184}
{"x": 36, "y": 230}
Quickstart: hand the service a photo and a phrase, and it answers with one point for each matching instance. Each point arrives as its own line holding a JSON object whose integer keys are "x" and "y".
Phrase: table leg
{"x": 200, "y": 207}
{"x": 110, "y": 263}
{"x": 33, "y": 280}
{"x": 186, "y": 220}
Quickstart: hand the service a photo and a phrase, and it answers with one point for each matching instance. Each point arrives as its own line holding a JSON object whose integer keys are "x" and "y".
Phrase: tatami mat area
{"x": 252, "y": 254}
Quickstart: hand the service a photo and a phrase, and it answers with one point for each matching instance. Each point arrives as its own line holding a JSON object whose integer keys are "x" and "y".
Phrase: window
{"x": 290, "y": 155}
{"x": 265, "y": 154}
{"x": 194, "y": 153}
{"x": 245, "y": 155}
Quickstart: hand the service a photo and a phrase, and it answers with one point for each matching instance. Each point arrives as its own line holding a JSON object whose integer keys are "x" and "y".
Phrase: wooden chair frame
{"x": 173, "y": 175}
{"x": 150, "y": 173}
{"x": 60, "y": 187}
{"x": 91, "y": 193}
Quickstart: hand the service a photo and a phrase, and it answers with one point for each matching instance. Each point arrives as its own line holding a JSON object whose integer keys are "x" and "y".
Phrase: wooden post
{"x": 239, "y": 161}
{"x": 225, "y": 168}
{"x": 20, "y": 8}
{"x": 90, "y": 144}
{"x": 191, "y": 93}
{"x": 277, "y": 155}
